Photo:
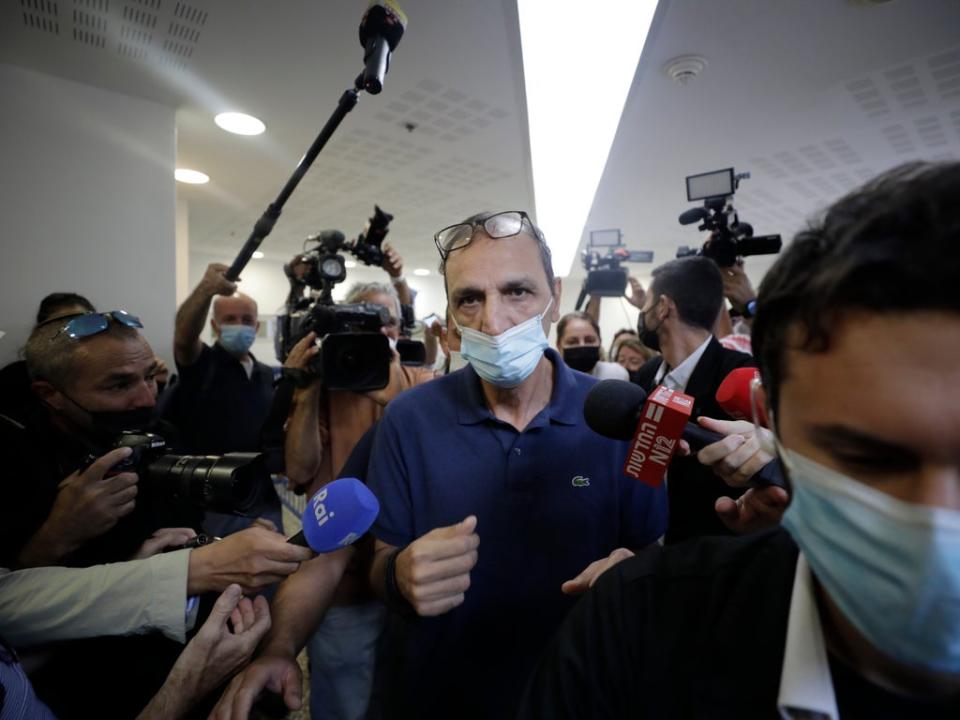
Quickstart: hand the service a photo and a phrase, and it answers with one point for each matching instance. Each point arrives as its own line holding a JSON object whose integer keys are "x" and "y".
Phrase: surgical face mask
{"x": 891, "y": 567}
{"x": 237, "y": 339}
{"x": 507, "y": 359}
{"x": 648, "y": 336}
{"x": 456, "y": 361}
{"x": 583, "y": 358}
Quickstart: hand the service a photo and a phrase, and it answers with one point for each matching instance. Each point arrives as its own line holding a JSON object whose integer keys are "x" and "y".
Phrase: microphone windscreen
{"x": 611, "y": 408}
{"x": 385, "y": 18}
{"x": 733, "y": 395}
{"x": 339, "y": 514}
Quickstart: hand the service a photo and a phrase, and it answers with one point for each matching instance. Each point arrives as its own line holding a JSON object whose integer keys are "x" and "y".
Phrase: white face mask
{"x": 507, "y": 359}
{"x": 892, "y": 567}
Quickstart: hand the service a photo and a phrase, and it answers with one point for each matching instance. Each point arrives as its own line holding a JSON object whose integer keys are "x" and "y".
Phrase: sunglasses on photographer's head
{"x": 87, "y": 324}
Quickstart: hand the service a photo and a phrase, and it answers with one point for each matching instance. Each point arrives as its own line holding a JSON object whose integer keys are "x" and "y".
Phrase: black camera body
{"x": 602, "y": 259}
{"x": 354, "y": 354}
{"x": 730, "y": 239}
{"x": 230, "y": 483}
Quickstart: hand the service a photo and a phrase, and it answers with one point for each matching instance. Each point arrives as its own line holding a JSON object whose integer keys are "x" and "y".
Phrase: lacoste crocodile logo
{"x": 580, "y": 481}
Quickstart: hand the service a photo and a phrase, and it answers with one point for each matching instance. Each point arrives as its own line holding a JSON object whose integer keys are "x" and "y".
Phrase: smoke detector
{"x": 684, "y": 68}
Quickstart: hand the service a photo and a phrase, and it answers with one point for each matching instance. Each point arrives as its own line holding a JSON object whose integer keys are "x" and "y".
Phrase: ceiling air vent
{"x": 42, "y": 15}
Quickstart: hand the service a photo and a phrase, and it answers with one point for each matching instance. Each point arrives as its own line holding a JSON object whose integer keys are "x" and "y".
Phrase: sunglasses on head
{"x": 87, "y": 324}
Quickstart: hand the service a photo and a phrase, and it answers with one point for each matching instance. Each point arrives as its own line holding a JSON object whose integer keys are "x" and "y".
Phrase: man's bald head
{"x": 237, "y": 309}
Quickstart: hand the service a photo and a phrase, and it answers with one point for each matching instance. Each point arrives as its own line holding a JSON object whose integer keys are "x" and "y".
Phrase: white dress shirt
{"x": 39, "y": 605}
{"x": 679, "y": 376}
{"x": 806, "y": 687}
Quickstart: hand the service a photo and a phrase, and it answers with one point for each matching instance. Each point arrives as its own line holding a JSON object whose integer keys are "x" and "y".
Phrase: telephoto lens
{"x": 230, "y": 483}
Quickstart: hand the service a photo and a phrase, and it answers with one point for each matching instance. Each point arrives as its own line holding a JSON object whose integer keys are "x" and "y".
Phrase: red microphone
{"x": 733, "y": 396}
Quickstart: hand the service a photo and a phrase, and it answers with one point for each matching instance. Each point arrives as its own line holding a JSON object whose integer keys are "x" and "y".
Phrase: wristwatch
{"x": 750, "y": 309}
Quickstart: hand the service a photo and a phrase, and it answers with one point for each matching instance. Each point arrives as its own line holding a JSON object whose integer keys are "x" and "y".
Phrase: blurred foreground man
{"x": 852, "y": 610}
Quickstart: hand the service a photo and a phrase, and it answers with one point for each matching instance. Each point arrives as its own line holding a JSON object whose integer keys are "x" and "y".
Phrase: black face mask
{"x": 583, "y": 358}
{"x": 647, "y": 335}
{"x": 106, "y": 425}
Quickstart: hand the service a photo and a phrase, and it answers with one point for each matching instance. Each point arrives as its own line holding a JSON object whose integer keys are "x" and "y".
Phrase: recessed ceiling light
{"x": 191, "y": 177}
{"x": 240, "y": 123}
{"x": 257, "y": 255}
{"x": 423, "y": 272}
{"x": 349, "y": 264}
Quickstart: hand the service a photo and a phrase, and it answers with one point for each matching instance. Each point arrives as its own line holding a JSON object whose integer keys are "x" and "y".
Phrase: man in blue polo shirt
{"x": 497, "y": 452}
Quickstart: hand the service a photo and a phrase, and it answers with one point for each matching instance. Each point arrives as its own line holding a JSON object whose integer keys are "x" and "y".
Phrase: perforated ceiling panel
{"x": 144, "y": 31}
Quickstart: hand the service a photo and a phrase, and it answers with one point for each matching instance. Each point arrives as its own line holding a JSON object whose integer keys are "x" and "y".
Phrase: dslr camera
{"x": 354, "y": 354}
{"x": 729, "y": 237}
{"x": 226, "y": 484}
{"x": 602, "y": 260}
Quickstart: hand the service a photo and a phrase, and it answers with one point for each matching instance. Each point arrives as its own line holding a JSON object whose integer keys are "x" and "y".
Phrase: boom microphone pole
{"x": 381, "y": 28}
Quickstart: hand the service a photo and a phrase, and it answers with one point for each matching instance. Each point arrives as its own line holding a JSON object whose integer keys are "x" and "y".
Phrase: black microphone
{"x": 688, "y": 217}
{"x": 613, "y": 407}
{"x": 381, "y": 28}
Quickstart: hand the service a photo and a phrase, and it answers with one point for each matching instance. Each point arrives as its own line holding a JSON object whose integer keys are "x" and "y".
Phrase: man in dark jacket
{"x": 677, "y": 316}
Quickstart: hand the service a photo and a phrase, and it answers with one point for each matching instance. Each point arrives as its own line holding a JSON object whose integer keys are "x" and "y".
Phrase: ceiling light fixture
{"x": 577, "y": 76}
{"x": 191, "y": 177}
{"x": 422, "y": 272}
{"x": 240, "y": 123}
{"x": 349, "y": 264}
{"x": 258, "y": 255}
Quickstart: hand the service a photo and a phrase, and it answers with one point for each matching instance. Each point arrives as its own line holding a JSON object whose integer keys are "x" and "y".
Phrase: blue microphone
{"x": 337, "y": 516}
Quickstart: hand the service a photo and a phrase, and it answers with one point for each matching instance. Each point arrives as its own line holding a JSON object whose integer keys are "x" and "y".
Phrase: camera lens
{"x": 228, "y": 484}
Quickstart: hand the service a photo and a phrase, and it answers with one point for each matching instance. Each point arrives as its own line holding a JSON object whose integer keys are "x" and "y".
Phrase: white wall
{"x": 87, "y": 201}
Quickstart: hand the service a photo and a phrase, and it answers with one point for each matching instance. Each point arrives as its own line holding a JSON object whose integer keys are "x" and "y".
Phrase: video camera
{"x": 729, "y": 238}
{"x": 602, "y": 259}
{"x": 229, "y": 483}
{"x": 354, "y": 354}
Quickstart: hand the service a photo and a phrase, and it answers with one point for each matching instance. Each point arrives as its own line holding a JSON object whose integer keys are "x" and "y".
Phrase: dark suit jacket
{"x": 693, "y": 488}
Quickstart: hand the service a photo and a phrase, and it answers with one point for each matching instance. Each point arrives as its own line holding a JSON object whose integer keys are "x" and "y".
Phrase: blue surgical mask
{"x": 507, "y": 359}
{"x": 891, "y": 567}
{"x": 237, "y": 339}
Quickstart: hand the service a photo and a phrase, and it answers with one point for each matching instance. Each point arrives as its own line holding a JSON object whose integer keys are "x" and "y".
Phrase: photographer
{"x": 224, "y": 393}
{"x": 323, "y": 428}
{"x": 93, "y": 376}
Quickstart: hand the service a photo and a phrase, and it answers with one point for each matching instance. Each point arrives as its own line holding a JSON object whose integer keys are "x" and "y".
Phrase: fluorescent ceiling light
{"x": 240, "y": 123}
{"x": 349, "y": 264}
{"x": 422, "y": 272}
{"x": 257, "y": 255}
{"x": 191, "y": 177}
{"x": 578, "y": 68}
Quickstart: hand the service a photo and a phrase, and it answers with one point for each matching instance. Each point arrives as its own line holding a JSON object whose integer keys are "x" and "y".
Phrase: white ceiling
{"x": 810, "y": 97}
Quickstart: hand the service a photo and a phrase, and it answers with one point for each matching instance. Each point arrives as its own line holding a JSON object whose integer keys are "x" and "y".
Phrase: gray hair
{"x": 534, "y": 232}
{"x": 362, "y": 292}
{"x": 56, "y": 357}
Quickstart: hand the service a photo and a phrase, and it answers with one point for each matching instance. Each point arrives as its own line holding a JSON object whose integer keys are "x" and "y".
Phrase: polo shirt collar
{"x": 564, "y": 408}
{"x": 806, "y": 688}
